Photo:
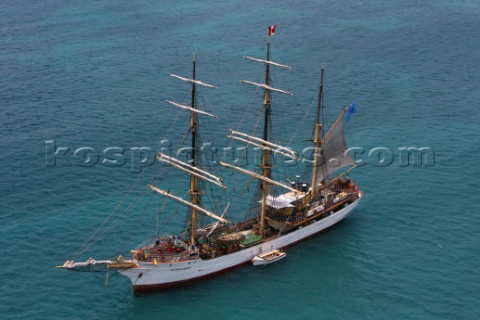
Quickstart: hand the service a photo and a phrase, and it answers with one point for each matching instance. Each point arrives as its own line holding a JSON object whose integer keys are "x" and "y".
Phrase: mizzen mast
{"x": 317, "y": 142}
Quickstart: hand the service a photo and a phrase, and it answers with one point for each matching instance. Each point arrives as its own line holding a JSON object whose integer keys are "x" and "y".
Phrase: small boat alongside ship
{"x": 285, "y": 212}
{"x": 268, "y": 257}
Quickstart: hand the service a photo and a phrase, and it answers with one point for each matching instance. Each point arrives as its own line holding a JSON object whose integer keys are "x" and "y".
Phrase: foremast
{"x": 191, "y": 168}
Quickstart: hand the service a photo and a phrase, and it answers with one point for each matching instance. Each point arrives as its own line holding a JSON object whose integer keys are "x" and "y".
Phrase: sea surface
{"x": 81, "y": 81}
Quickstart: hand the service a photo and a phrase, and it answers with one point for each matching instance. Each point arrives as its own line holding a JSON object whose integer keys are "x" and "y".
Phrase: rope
{"x": 159, "y": 213}
{"x": 156, "y": 211}
{"x": 170, "y": 217}
{"x": 129, "y": 236}
{"x": 91, "y": 240}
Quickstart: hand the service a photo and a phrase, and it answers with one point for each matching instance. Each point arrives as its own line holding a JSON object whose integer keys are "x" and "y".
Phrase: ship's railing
{"x": 170, "y": 257}
{"x": 332, "y": 206}
{"x": 165, "y": 250}
{"x": 147, "y": 243}
{"x": 156, "y": 240}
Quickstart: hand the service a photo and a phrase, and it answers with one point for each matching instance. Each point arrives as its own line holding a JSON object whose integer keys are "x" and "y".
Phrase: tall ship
{"x": 283, "y": 213}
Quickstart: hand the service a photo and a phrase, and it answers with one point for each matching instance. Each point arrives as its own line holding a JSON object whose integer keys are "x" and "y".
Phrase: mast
{"x": 191, "y": 168}
{"x": 317, "y": 142}
{"x": 194, "y": 194}
{"x": 265, "y": 165}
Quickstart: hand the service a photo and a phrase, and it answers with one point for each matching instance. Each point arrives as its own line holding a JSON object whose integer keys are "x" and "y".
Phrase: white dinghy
{"x": 268, "y": 257}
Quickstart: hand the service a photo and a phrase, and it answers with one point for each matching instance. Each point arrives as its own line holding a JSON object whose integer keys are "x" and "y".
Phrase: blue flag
{"x": 351, "y": 110}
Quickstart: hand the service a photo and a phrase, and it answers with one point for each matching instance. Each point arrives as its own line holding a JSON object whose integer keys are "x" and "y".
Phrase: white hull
{"x": 149, "y": 277}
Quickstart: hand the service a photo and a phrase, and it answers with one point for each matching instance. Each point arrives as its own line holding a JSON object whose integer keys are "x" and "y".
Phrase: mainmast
{"x": 194, "y": 194}
{"x": 317, "y": 142}
{"x": 265, "y": 165}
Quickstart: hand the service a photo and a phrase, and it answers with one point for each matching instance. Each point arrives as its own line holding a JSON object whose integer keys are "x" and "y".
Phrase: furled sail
{"x": 334, "y": 154}
{"x": 266, "y": 86}
{"x": 267, "y": 62}
{"x": 202, "y": 174}
{"x": 191, "y": 109}
{"x": 193, "y": 81}
{"x": 189, "y": 204}
{"x": 263, "y": 144}
{"x": 260, "y": 177}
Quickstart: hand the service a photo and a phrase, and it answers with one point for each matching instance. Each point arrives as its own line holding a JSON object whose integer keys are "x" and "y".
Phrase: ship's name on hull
{"x": 178, "y": 269}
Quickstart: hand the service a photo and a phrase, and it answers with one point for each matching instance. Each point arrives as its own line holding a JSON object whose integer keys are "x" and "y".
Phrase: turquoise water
{"x": 94, "y": 74}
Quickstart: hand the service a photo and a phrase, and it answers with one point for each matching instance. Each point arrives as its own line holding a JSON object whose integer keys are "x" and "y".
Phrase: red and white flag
{"x": 271, "y": 30}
